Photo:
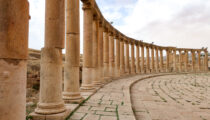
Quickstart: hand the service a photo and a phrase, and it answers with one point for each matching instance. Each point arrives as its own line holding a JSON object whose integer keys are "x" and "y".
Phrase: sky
{"x": 178, "y": 23}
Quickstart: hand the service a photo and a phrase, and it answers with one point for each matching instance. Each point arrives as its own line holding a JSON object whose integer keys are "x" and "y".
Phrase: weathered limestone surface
{"x": 173, "y": 97}
{"x": 72, "y": 59}
{"x": 14, "y": 19}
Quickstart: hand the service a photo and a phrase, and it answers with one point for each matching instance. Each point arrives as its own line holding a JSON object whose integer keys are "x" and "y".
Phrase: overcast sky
{"x": 179, "y": 23}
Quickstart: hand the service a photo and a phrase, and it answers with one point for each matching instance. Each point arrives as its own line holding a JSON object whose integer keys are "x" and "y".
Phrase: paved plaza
{"x": 168, "y": 97}
{"x": 173, "y": 97}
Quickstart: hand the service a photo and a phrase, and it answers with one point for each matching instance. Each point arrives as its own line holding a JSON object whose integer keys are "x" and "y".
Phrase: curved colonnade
{"x": 106, "y": 55}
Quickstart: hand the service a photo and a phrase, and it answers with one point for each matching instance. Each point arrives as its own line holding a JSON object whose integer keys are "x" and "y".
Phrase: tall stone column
{"x": 157, "y": 60}
{"x": 199, "y": 60}
{"x": 161, "y": 60}
{"x": 174, "y": 60}
{"x": 71, "y": 92}
{"x": 127, "y": 59}
{"x": 100, "y": 53}
{"x": 180, "y": 60}
{"x": 148, "y": 60}
{"x": 95, "y": 71}
{"x": 87, "y": 83}
{"x": 14, "y": 19}
{"x": 132, "y": 59}
{"x": 153, "y": 59}
{"x": 142, "y": 59}
{"x": 111, "y": 55}
{"x": 193, "y": 60}
{"x": 106, "y": 55}
{"x": 122, "y": 57}
{"x": 50, "y": 99}
{"x": 117, "y": 59}
{"x": 138, "y": 69}
{"x": 167, "y": 60}
{"x": 186, "y": 61}
{"x": 206, "y": 60}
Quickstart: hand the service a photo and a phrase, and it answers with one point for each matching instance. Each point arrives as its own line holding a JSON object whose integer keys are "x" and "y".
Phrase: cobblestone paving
{"x": 172, "y": 97}
{"x": 112, "y": 102}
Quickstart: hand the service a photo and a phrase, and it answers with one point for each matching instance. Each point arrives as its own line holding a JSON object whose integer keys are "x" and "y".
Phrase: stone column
{"x": 132, "y": 59}
{"x": 95, "y": 71}
{"x": 71, "y": 92}
{"x": 14, "y": 19}
{"x": 180, "y": 60}
{"x": 193, "y": 60}
{"x": 157, "y": 60}
{"x": 142, "y": 59}
{"x": 199, "y": 60}
{"x": 206, "y": 60}
{"x": 100, "y": 53}
{"x": 186, "y": 61}
{"x": 161, "y": 60}
{"x": 167, "y": 60}
{"x": 117, "y": 59}
{"x": 87, "y": 83}
{"x": 127, "y": 59}
{"x": 50, "y": 99}
{"x": 174, "y": 60}
{"x": 138, "y": 69}
{"x": 148, "y": 60}
{"x": 106, "y": 55}
{"x": 122, "y": 61}
{"x": 111, "y": 55}
{"x": 153, "y": 60}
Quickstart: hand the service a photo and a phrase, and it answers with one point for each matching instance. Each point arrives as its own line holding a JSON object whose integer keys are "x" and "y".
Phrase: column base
{"x": 87, "y": 88}
{"x": 58, "y": 116}
{"x": 50, "y": 108}
{"x": 70, "y": 97}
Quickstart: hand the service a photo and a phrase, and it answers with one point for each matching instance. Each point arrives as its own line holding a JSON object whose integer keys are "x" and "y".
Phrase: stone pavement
{"x": 173, "y": 97}
{"x": 111, "y": 102}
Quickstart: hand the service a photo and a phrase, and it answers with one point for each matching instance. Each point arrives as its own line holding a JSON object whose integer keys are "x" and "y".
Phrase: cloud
{"x": 170, "y": 23}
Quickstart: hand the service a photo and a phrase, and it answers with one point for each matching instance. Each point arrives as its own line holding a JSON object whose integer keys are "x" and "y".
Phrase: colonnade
{"x": 107, "y": 55}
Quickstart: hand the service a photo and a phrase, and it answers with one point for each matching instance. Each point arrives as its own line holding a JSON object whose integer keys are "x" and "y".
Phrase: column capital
{"x": 86, "y": 5}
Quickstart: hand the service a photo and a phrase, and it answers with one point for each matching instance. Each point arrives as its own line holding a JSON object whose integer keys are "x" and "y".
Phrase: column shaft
{"x": 161, "y": 60}
{"x": 14, "y": 19}
{"x": 193, "y": 60}
{"x": 132, "y": 59}
{"x": 142, "y": 59}
{"x": 111, "y": 56}
{"x": 127, "y": 59}
{"x": 199, "y": 60}
{"x": 122, "y": 62}
{"x": 174, "y": 61}
{"x": 95, "y": 72}
{"x": 186, "y": 61}
{"x": 206, "y": 61}
{"x": 51, "y": 60}
{"x": 153, "y": 60}
{"x": 167, "y": 60}
{"x": 180, "y": 61}
{"x": 106, "y": 56}
{"x": 87, "y": 83}
{"x": 138, "y": 69}
{"x": 117, "y": 60}
{"x": 71, "y": 92}
{"x": 148, "y": 60}
{"x": 100, "y": 54}
{"x": 157, "y": 60}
